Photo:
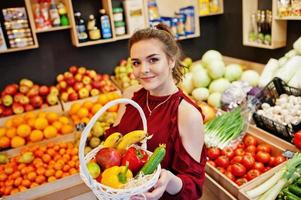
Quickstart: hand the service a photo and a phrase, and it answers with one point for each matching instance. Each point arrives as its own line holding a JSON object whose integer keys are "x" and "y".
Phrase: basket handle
{"x": 91, "y": 123}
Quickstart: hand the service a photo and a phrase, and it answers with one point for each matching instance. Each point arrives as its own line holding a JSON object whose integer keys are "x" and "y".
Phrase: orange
{"x": 36, "y": 135}
{"x": 31, "y": 122}
{"x": 2, "y": 131}
{"x": 17, "y": 141}
{"x": 40, "y": 123}
{"x": 40, "y": 179}
{"x": 8, "y": 123}
{"x": 102, "y": 99}
{"x": 51, "y": 179}
{"x": 64, "y": 120}
{"x": 4, "y": 142}
{"x": 31, "y": 176}
{"x": 82, "y": 112}
{"x": 113, "y": 108}
{"x": 23, "y": 130}
{"x": 67, "y": 129}
{"x": 18, "y": 181}
{"x": 52, "y": 117}
{"x": 14, "y": 191}
{"x": 66, "y": 168}
{"x": 7, "y": 190}
{"x": 40, "y": 171}
{"x": 74, "y": 108}
{"x": 58, "y": 173}
{"x": 87, "y": 104}
{"x": 57, "y": 125}
{"x": 85, "y": 120}
{"x": 42, "y": 115}
{"x": 3, "y": 177}
{"x": 11, "y": 132}
{"x": 17, "y": 120}
{"x": 29, "y": 115}
{"x": 49, "y": 172}
{"x": 50, "y": 132}
{"x": 32, "y": 185}
{"x": 25, "y": 183}
{"x": 72, "y": 171}
{"x": 46, "y": 158}
{"x": 96, "y": 107}
{"x": 16, "y": 174}
{"x": 51, "y": 152}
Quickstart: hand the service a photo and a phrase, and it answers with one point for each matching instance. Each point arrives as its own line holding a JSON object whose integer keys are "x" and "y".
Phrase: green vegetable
{"x": 299, "y": 182}
{"x": 200, "y": 78}
{"x": 186, "y": 83}
{"x": 289, "y": 69}
{"x": 220, "y": 131}
{"x": 268, "y": 72}
{"x": 200, "y": 94}
{"x": 154, "y": 160}
{"x": 216, "y": 69}
{"x": 214, "y": 99}
{"x": 290, "y": 196}
{"x": 233, "y": 72}
{"x": 211, "y": 55}
{"x": 295, "y": 190}
{"x": 219, "y": 85}
{"x": 251, "y": 77}
{"x": 297, "y": 45}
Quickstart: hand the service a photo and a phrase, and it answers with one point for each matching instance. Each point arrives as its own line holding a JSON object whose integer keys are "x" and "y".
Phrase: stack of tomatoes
{"x": 244, "y": 163}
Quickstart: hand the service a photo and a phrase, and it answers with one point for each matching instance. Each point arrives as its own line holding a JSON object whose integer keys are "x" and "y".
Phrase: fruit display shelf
{"x": 229, "y": 185}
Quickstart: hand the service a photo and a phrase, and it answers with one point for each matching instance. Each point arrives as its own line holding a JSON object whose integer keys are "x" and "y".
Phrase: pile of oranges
{"x": 82, "y": 113}
{"x": 33, "y": 127}
{"x": 50, "y": 163}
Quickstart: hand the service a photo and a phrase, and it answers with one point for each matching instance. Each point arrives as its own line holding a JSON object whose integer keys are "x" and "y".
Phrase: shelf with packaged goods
{"x": 277, "y": 17}
{"x": 9, "y": 50}
{"x": 278, "y": 28}
{"x": 53, "y": 29}
{"x": 218, "y": 10}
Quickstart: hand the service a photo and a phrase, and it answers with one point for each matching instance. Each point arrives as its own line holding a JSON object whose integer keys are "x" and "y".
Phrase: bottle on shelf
{"x": 80, "y": 27}
{"x": 45, "y": 13}
{"x": 54, "y": 14}
{"x": 94, "y": 32}
{"x": 63, "y": 14}
{"x": 105, "y": 24}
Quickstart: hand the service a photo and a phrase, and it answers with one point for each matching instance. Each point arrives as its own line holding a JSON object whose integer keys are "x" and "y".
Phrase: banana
{"x": 112, "y": 140}
{"x": 131, "y": 138}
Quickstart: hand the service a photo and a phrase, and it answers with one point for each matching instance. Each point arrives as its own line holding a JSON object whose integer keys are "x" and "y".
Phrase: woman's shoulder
{"x": 191, "y": 113}
{"x": 130, "y": 91}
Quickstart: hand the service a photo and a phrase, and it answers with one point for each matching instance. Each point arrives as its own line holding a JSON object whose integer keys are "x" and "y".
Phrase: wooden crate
{"x": 226, "y": 182}
{"x": 261, "y": 179}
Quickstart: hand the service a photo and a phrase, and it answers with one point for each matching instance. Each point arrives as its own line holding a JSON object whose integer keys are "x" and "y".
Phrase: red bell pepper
{"x": 136, "y": 158}
{"x": 297, "y": 139}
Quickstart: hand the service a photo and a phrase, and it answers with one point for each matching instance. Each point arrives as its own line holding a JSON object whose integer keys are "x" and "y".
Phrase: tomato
{"x": 263, "y": 157}
{"x": 239, "y": 152}
{"x": 221, "y": 169}
{"x": 259, "y": 166}
{"x": 238, "y": 170}
{"x": 272, "y": 162}
{"x": 212, "y": 163}
{"x": 297, "y": 139}
{"x": 251, "y": 149}
{"x": 241, "y": 181}
{"x": 213, "y": 153}
{"x": 236, "y": 159}
{"x": 229, "y": 168}
{"x": 241, "y": 145}
{"x": 248, "y": 161}
{"x": 279, "y": 159}
{"x": 249, "y": 140}
{"x": 264, "y": 147}
{"x": 228, "y": 152}
{"x": 222, "y": 161}
{"x": 230, "y": 176}
{"x": 253, "y": 173}
{"x": 267, "y": 168}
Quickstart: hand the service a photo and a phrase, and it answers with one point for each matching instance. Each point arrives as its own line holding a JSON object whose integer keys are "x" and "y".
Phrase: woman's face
{"x": 152, "y": 67}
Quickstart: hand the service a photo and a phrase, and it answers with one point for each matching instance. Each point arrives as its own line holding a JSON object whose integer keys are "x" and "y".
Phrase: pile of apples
{"x": 79, "y": 83}
{"x": 124, "y": 74}
{"x": 26, "y": 96}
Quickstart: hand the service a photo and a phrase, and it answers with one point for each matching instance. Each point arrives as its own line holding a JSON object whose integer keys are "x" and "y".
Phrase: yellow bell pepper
{"x": 116, "y": 177}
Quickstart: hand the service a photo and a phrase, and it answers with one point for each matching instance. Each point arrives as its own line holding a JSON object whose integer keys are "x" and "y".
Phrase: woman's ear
{"x": 172, "y": 62}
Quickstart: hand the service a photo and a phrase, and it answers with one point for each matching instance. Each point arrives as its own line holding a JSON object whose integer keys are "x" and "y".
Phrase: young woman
{"x": 172, "y": 117}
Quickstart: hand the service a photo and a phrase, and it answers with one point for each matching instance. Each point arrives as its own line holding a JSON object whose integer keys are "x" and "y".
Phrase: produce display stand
{"x": 230, "y": 185}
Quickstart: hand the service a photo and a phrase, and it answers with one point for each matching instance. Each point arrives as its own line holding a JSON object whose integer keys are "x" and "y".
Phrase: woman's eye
{"x": 153, "y": 60}
{"x": 135, "y": 63}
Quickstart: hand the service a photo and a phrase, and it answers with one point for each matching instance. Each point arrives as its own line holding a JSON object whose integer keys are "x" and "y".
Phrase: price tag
{"x": 80, "y": 126}
{"x": 288, "y": 154}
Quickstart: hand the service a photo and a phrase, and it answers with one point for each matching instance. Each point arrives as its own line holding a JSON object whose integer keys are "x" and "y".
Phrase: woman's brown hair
{"x": 162, "y": 33}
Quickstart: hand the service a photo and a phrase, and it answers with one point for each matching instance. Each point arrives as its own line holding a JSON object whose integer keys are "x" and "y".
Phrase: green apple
{"x": 94, "y": 169}
{"x": 52, "y": 99}
{"x": 7, "y": 100}
{"x": 3, "y": 158}
{"x": 26, "y": 82}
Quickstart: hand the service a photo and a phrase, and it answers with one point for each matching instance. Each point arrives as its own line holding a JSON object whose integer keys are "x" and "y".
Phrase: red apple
{"x": 54, "y": 90}
{"x": 24, "y": 89}
{"x": 36, "y": 101}
{"x": 89, "y": 87}
{"x": 94, "y": 92}
{"x": 18, "y": 97}
{"x": 70, "y": 90}
{"x": 91, "y": 73}
{"x": 71, "y": 81}
{"x": 105, "y": 77}
{"x": 24, "y": 100}
{"x": 83, "y": 93}
{"x": 33, "y": 91}
{"x": 81, "y": 70}
{"x": 17, "y": 108}
{"x": 59, "y": 77}
{"x": 78, "y": 86}
{"x": 26, "y": 82}
{"x": 28, "y": 107}
{"x": 63, "y": 85}
{"x": 78, "y": 77}
{"x": 52, "y": 99}
{"x": 44, "y": 90}
{"x": 86, "y": 80}
{"x": 73, "y": 70}
{"x": 108, "y": 157}
{"x": 68, "y": 75}
{"x": 1, "y": 110}
{"x": 11, "y": 89}
{"x": 7, "y": 111}
{"x": 7, "y": 100}
{"x": 73, "y": 96}
{"x": 64, "y": 96}
{"x": 96, "y": 84}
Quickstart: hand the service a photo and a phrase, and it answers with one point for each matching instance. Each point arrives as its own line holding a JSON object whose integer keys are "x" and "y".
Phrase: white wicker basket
{"x": 104, "y": 192}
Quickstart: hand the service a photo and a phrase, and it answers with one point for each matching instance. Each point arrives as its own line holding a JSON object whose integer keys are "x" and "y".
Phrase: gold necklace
{"x": 149, "y": 110}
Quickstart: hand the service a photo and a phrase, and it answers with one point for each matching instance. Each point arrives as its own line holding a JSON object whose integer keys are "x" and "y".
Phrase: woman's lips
{"x": 147, "y": 78}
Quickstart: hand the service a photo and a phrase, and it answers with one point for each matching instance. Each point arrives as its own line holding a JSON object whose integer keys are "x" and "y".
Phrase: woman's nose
{"x": 145, "y": 68}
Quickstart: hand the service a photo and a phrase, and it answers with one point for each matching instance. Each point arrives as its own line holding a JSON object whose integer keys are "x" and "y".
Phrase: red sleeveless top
{"x": 163, "y": 125}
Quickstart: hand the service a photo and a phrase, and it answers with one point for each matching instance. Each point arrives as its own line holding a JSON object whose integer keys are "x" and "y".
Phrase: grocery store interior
{"x": 61, "y": 61}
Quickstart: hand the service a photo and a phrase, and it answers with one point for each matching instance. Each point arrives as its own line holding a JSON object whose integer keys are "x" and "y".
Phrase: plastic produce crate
{"x": 269, "y": 95}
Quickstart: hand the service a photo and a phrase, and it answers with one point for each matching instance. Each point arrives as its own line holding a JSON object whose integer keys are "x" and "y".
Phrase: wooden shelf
{"x": 288, "y": 18}
{"x": 9, "y": 50}
{"x": 89, "y": 43}
{"x": 123, "y": 37}
{"x": 188, "y": 37}
{"x": 278, "y": 28}
{"x": 53, "y": 29}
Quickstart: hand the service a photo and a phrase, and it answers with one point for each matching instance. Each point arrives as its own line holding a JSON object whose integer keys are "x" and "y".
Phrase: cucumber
{"x": 290, "y": 196}
{"x": 154, "y": 160}
{"x": 299, "y": 182}
{"x": 295, "y": 190}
